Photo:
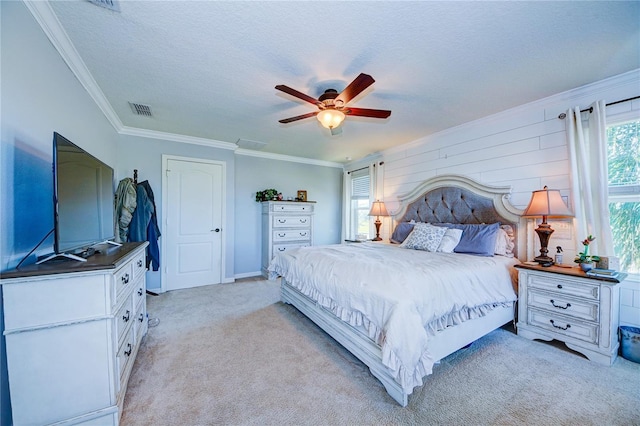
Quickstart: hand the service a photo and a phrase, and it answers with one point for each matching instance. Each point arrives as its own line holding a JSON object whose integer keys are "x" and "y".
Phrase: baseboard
{"x": 248, "y": 275}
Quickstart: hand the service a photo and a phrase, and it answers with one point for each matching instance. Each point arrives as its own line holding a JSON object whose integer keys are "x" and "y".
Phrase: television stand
{"x": 67, "y": 255}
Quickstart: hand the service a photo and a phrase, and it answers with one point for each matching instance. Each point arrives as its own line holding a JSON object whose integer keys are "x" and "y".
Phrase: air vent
{"x": 140, "y": 109}
{"x": 107, "y": 4}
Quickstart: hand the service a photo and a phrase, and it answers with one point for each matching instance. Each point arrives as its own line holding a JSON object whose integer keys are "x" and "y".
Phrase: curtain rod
{"x": 362, "y": 168}
{"x": 590, "y": 109}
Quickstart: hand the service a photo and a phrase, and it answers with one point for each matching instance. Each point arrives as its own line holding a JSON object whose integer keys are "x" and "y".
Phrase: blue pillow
{"x": 477, "y": 239}
{"x": 402, "y": 231}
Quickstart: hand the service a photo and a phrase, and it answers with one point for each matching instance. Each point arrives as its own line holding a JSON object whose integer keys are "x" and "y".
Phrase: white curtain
{"x": 587, "y": 142}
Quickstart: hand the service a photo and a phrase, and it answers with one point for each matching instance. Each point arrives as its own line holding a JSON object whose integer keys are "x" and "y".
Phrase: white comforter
{"x": 400, "y": 296}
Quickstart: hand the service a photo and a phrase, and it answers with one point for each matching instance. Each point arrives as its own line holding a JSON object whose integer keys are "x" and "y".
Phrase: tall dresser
{"x": 72, "y": 332}
{"x": 285, "y": 225}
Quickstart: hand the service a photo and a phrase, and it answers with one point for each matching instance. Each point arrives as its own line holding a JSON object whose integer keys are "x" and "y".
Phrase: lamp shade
{"x": 547, "y": 203}
{"x": 378, "y": 209}
{"x": 330, "y": 118}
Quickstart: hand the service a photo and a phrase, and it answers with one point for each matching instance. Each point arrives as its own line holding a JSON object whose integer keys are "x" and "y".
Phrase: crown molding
{"x": 281, "y": 157}
{"x": 48, "y": 21}
{"x": 174, "y": 137}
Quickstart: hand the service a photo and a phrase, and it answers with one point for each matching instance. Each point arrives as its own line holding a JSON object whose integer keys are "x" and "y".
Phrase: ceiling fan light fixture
{"x": 330, "y": 118}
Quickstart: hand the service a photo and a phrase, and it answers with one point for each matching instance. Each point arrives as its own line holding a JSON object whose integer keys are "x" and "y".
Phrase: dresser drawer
{"x": 125, "y": 352}
{"x": 281, "y": 248}
{"x": 567, "y": 326}
{"x": 291, "y": 221}
{"x": 139, "y": 292}
{"x": 566, "y": 287}
{"x": 123, "y": 280}
{"x": 559, "y": 303}
{"x": 141, "y": 321}
{"x": 139, "y": 265}
{"x": 292, "y": 207}
{"x": 124, "y": 317}
{"x": 292, "y": 235}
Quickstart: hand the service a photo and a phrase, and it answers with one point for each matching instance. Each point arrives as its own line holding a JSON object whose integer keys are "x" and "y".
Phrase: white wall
{"x": 322, "y": 183}
{"x": 524, "y": 147}
{"x": 39, "y": 96}
{"x": 145, "y": 155}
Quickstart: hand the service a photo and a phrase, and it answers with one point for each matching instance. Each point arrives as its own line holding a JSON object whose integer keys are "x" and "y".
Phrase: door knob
{"x": 216, "y": 230}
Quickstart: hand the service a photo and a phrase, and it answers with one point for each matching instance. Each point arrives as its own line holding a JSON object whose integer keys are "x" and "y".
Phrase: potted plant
{"x": 267, "y": 195}
{"x": 584, "y": 259}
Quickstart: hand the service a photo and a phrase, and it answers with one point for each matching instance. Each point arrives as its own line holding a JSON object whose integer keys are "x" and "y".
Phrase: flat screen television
{"x": 83, "y": 200}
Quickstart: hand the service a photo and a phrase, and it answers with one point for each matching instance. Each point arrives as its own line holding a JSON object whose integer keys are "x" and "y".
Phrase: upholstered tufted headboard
{"x": 458, "y": 199}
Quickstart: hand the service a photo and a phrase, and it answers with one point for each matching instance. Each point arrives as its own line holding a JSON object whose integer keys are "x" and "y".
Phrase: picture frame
{"x": 302, "y": 195}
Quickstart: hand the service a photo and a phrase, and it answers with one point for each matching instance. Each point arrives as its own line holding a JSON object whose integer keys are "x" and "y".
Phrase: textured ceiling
{"x": 208, "y": 69}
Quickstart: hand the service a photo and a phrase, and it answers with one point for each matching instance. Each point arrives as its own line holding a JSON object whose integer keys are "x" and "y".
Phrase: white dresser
{"x": 566, "y": 305}
{"x": 285, "y": 225}
{"x": 72, "y": 332}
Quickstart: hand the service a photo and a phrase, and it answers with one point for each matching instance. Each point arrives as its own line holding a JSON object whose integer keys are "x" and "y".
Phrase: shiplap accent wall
{"x": 524, "y": 147}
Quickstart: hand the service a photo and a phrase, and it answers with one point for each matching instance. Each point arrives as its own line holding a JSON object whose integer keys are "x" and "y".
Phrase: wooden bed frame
{"x": 486, "y": 204}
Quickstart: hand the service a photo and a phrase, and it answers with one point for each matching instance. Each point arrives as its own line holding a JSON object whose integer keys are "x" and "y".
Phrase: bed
{"x": 401, "y": 310}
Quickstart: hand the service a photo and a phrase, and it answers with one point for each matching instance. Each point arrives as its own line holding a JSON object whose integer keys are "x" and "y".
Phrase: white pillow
{"x": 424, "y": 237}
{"x": 504, "y": 244}
{"x": 450, "y": 240}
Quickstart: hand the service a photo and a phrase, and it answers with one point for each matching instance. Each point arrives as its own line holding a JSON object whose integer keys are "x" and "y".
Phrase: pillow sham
{"x": 424, "y": 237}
{"x": 450, "y": 240}
{"x": 504, "y": 243}
{"x": 402, "y": 231}
{"x": 477, "y": 239}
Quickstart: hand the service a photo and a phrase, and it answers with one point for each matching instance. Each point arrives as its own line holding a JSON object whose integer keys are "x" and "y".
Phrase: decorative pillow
{"x": 424, "y": 237}
{"x": 477, "y": 239}
{"x": 402, "y": 231}
{"x": 504, "y": 243}
{"x": 450, "y": 240}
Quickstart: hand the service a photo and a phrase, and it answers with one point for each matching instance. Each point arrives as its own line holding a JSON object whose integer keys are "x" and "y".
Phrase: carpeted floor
{"x": 232, "y": 354}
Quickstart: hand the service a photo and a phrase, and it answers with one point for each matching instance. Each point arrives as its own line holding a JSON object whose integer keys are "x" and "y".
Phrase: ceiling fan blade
{"x": 299, "y": 95}
{"x": 366, "y": 112}
{"x": 360, "y": 83}
{"x": 298, "y": 117}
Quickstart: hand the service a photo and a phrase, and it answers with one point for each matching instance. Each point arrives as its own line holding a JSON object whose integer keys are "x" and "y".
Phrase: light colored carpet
{"x": 232, "y": 354}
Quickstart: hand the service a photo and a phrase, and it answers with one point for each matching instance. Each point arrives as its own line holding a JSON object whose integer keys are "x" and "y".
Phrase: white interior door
{"x": 193, "y": 223}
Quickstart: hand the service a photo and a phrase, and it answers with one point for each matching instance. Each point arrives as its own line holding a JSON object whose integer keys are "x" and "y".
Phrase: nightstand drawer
{"x": 552, "y": 282}
{"x": 558, "y": 303}
{"x": 566, "y": 326}
{"x": 292, "y": 235}
{"x": 291, "y": 221}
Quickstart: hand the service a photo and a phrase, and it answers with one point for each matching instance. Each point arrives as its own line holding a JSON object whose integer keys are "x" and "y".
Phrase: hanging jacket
{"x": 125, "y": 205}
{"x": 153, "y": 231}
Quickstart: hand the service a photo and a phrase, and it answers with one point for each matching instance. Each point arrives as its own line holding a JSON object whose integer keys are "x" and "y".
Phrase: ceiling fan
{"x": 332, "y": 105}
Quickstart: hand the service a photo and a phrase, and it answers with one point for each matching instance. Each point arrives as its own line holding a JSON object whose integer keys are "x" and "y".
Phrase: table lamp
{"x": 378, "y": 209}
{"x": 546, "y": 203}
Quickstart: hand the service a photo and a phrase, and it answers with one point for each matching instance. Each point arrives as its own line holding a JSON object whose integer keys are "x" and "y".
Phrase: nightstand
{"x": 567, "y": 305}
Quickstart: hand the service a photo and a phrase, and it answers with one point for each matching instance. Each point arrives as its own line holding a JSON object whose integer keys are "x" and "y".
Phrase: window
{"x": 359, "y": 221}
{"x": 623, "y": 149}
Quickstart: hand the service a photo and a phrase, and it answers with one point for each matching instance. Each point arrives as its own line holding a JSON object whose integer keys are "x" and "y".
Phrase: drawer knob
{"x": 129, "y": 349}
{"x": 126, "y": 316}
{"x": 303, "y": 234}
{"x": 141, "y": 317}
{"x": 282, "y": 235}
{"x": 559, "y": 285}
{"x": 281, "y": 248}
{"x": 282, "y": 220}
{"x": 139, "y": 263}
{"x": 139, "y": 292}
{"x": 303, "y": 220}
{"x": 559, "y": 306}
{"x": 559, "y": 326}
{"x": 125, "y": 279}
